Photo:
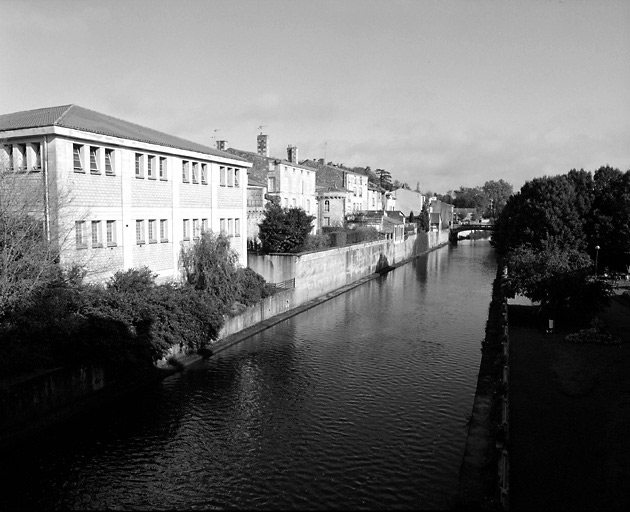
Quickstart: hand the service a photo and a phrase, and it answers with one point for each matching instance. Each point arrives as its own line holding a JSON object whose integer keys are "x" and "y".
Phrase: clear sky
{"x": 442, "y": 93}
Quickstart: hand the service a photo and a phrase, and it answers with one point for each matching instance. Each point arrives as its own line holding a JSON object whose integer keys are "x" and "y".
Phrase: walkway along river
{"x": 359, "y": 402}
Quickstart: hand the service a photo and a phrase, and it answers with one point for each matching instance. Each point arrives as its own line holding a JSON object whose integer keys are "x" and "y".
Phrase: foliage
{"x": 423, "y": 220}
{"x": 384, "y": 179}
{"x": 545, "y": 211}
{"x": 27, "y": 258}
{"x": 316, "y": 242}
{"x": 251, "y": 286}
{"x": 595, "y": 334}
{"x": 284, "y": 229}
{"x": 496, "y": 194}
{"x": 210, "y": 265}
{"x": 548, "y": 231}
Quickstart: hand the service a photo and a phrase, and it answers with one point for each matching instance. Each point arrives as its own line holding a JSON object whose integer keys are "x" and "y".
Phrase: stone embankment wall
{"x": 320, "y": 272}
{"x": 29, "y": 399}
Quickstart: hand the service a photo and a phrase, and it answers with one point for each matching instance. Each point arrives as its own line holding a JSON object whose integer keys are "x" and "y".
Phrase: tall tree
{"x": 385, "y": 179}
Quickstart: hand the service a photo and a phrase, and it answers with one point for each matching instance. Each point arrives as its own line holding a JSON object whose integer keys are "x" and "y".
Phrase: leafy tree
{"x": 608, "y": 223}
{"x": 467, "y": 197}
{"x": 210, "y": 265}
{"x": 544, "y": 212}
{"x": 496, "y": 195}
{"x": 556, "y": 277}
{"x": 284, "y": 229}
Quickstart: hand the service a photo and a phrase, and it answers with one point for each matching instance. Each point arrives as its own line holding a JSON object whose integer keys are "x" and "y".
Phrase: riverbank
{"x": 570, "y": 416}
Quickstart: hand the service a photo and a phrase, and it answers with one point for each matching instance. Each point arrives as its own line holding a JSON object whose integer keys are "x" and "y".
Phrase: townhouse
{"x": 114, "y": 195}
{"x": 291, "y": 183}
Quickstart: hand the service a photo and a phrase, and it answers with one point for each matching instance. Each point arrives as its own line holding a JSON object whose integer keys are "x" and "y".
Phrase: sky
{"x": 442, "y": 94}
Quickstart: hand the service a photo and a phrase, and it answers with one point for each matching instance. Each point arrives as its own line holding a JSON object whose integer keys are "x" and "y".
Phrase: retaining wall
{"x": 320, "y": 272}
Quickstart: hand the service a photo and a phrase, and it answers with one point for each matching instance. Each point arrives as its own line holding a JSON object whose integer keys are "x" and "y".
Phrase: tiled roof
{"x": 327, "y": 175}
{"x": 79, "y": 118}
{"x": 260, "y": 166}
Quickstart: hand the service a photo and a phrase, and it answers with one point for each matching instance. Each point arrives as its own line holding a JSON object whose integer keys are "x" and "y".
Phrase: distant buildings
{"x": 115, "y": 195}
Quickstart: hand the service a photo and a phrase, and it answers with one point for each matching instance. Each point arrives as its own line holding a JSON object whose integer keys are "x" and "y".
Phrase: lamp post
{"x": 596, "y": 257}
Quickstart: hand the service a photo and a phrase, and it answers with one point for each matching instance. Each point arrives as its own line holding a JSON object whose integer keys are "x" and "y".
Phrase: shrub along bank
{"x": 129, "y": 322}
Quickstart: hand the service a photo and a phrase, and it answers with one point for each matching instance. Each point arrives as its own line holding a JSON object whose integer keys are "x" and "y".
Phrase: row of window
{"x": 24, "y": 156}
{"x": 146, "y": 231}
{"x": 96, "y": 233}
{"x": 230, "y": 227}
{"x": 152, "y": 225}
{"x": 99, "y": 159}
{"x": 229, "y": 177}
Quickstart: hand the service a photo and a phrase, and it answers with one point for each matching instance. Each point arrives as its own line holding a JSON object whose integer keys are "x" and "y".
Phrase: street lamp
{"x": 596, "y": 256}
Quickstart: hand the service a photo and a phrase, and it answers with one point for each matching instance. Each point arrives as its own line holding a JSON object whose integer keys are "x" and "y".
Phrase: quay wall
{"x": 320, "y": 272}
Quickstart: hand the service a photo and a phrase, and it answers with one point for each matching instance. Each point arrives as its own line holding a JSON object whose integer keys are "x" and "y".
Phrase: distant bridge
{"x": 458, "y": 228}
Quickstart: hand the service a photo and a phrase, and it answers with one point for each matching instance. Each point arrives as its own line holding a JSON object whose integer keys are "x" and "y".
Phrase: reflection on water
{"x": 360, "y": 402}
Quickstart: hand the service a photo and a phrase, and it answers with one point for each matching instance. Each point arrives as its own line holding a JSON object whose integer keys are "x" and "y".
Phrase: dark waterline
{"x": 360, "y": 402}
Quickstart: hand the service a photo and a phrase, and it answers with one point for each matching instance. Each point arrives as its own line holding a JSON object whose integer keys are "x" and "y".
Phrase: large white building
{"x": 115, "y": 195}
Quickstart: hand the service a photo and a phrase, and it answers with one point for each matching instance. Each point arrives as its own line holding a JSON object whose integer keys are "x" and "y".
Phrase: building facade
{"x": 115, "y": 195}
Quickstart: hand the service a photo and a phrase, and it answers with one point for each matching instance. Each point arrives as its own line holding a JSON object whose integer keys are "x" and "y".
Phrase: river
{"x": 360, "y": 403}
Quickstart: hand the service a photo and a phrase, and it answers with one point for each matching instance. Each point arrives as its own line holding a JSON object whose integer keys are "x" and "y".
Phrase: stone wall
{"x": 320, "y": 272}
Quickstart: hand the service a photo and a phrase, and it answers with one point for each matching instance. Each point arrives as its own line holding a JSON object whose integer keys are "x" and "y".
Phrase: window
{"x": 272, "y": 184}
{"x": 204, "y": 174}
{"x": 222, "y": 226}
{"x": 111, "y": 233}
{"x": 163, "y": 168}
{"x": 294, "y": 203}
{"x": 79, "y": 227}
{"x": 94, "y": 160}
{"x": 139, "y": 166}
{"x": 78, "y": 161}
{"x": 151, "y": 168}
{"x": 230, "y": 176}
{"x": 308, "y": 205}
{"x": 230, "y": 231}
{"x": 37, "y": 153}
{"x": 7, "y": 156}
{"x": 163, "y": 230}
{"x": 326, "y": 221}
{"x": 152, "y": 231}
{"x": 139, "y": 232}
{"x": 204, "y": 225}
{"x": 286, "y": 202}
{"x": 96, "y": 234}
{"x": 237, "y": 227}
{"x": 195, "y": 172}
{"x": 109, "y": 162}
{"x": 185, "y": 171}
{"x": 222, "y": 179}
{"x": 236, "y": 177}
{"x": 196, "y": 228}
{"x": 327, "y": 205}
{"x": 186, "y": 229}
{"x": 22, "y": 165}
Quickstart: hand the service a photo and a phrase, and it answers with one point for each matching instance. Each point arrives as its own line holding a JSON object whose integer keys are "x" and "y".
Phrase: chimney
{"x": 263, "y": 144}
{"x": 321, "y": 161}
{"x": 222, "y": 145}
{"x": 292, "y": 154}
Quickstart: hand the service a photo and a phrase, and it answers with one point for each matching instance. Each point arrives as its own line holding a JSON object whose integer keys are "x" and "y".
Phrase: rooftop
{"x": 79, "y": 118}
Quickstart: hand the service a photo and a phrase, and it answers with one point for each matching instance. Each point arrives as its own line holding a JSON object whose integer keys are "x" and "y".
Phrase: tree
{"x": 557, "y": 278}
{"x": 496, "y": 195}
{"x": 27, "y": 257}
{"x": 545, "y": 211}
{"x": 210, "y": 265}
{"x": 284, "y": 229}
{"x": 384, "y": 179}
{"x": 423, "y": 220}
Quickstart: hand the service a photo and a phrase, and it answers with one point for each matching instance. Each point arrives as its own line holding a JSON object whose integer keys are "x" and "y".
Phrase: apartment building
{"x": 115, "y": 195}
